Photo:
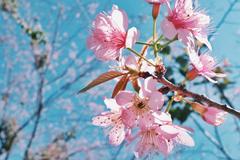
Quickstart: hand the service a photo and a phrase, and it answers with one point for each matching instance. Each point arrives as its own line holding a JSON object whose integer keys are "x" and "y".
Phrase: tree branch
{"x": 224, "y": 17}
{"x": 200, "y": 98}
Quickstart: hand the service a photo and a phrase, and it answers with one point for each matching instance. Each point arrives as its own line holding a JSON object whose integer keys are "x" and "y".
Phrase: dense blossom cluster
{"x": 144, "y": 108}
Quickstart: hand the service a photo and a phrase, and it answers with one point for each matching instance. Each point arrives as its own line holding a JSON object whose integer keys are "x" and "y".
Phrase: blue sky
{"x": 72, "y": 29}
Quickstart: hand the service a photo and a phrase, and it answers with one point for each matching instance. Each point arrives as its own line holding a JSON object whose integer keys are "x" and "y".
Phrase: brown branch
{"x": 200, "y": 98}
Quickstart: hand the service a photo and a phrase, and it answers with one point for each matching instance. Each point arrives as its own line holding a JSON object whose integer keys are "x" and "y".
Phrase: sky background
{"x": 66, "y": 23}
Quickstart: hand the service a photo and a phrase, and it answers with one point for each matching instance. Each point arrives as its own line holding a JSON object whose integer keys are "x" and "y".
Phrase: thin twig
{"x": 212, "y": 139}
{"x": 221, "y": 22}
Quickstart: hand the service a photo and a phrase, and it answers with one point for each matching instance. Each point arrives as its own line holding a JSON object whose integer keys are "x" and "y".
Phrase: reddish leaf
{"x": 135, "y": 85}
{"x": 101, "y": 79}
{"x": 121, "y": 85}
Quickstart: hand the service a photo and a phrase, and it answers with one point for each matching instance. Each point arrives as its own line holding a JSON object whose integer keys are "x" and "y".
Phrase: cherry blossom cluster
{"x": 141, "y": 112}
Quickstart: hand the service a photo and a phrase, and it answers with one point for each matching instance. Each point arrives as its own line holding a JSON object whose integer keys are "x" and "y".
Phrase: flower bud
{"x": 192, "y": 74}
{"x": 197, "y": 107}
{"x": 155, "y": 10}
{"x": 156, "y": 6}
{"x": 209, "y": 114}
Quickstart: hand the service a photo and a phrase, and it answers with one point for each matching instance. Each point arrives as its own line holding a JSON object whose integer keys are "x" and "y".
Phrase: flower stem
{"x": 154, "y": 30}
{"x": 161, "y": 37}
{"x": 154, "y": 36}
{"x": 139, "y": 55}
{"x": 166, "y": 44}
{"x": 143, "y": 43}
{"x": 169, "y": 104}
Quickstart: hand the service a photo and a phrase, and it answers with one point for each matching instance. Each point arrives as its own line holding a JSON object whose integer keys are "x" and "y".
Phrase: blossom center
{"x": 140, "y": 106}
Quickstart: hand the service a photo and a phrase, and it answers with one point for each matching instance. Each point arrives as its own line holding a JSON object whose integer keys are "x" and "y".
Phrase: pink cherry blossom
{"x": 161, "y": 136}
{"x": 204, "y": 65}
{"x": 214, "y": 116}
{"x": 150, "y": 141}
{"x": 110, "y": 35}
{"x": 171, "y": 132}
{"x": 113, "y": 118}
{"x": 140, "y": 106}
{"x": 209, "y": 114}
{"x": 186, "y": 23}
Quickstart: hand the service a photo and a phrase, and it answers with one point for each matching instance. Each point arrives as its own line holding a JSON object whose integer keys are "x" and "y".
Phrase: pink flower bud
{"x": 214, "y": 116}
{"x": 210, "y": 115}
{"x": 192, "y": 74}
{"x": 157, "y": 1}
{"x": 156, "y": 6}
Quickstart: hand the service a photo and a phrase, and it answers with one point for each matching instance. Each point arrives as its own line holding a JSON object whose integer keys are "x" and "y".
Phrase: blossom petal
{"x": 168, "y": 29}
{"x": 124, "y": 97}
{"x": 146, "y": 121}
{"x": 162, "y": 118}
{"x": 164, "y": 146}
{"x": 120, "y": 18}
{"x": 104, "y": 53}
{"x": 186, "y": 37}
{"x": 103, "y": 120}
{"x": 147, "y": 87}
{"x": 156, "y": 100}
{"x": 147, "y": 68}
{"x": 112, "y": 104}
{"x": 210, "y": 79}
{"x": 168, "y": 131}
{"x": 194, "y": 58}
{"x": 214, "y": 116}
{"x": 150, "y": 84}
{"x": 185, "y": 139}
{"x": 188, "y": 6}
{"x": 203, "y": 38}
{"x": 117, "y": 134}
{"x": 131, "y": 38}
{"x": 142, "y": 149}
{"x": 128, "y": 117}
{"x": 131, "y": 62}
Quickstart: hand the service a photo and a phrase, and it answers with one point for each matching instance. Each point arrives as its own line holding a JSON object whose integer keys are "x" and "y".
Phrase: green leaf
{"x": 166, "y": 50}
{"x": 182, "y": 60}
{"x": 101, "y": 79}
{"x": 180, "y": 113}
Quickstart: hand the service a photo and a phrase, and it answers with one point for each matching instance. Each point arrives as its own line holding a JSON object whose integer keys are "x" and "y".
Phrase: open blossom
{"x": 110, "y": 35}
{"x": 186, "y": 23}
{"x": 161, "y": 136}
{"x": 203, "y": 65}
{"x": 210, "y": 114}
{"x": 140, "y": 106}
{"x": 114, "y": 119}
